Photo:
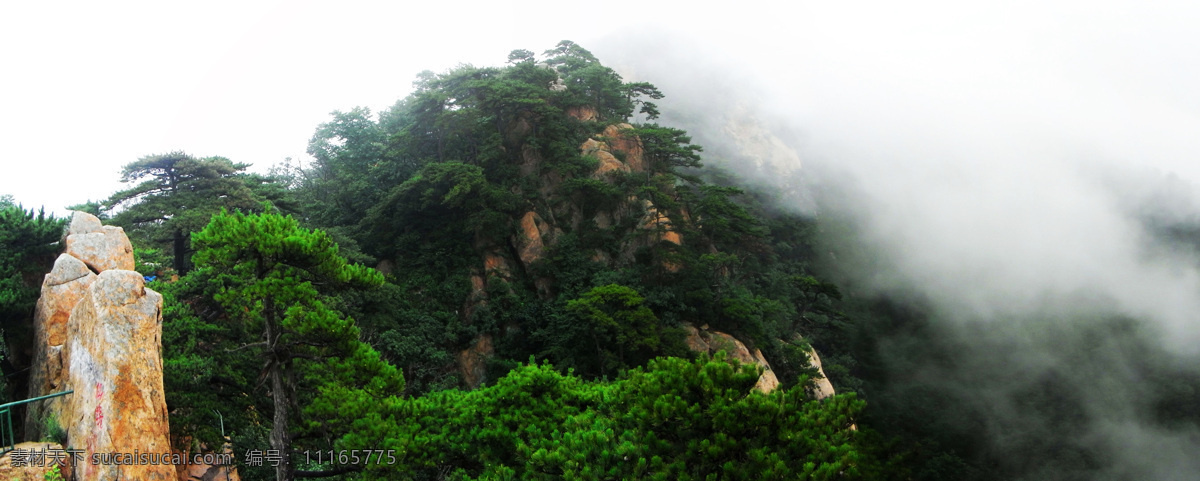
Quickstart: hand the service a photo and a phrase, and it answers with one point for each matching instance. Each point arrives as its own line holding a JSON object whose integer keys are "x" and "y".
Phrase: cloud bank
{"x": 1027, "y": 173}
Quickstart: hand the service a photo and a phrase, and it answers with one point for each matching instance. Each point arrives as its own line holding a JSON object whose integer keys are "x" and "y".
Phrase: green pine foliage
{"x": 447, "y": 171}
{"x": 319, "y": 353}
{"x": 175, "y": 194}
{"x": 29, "y": 242}
{"x": 273, "y": 280}
{"x": 672, "y": 419}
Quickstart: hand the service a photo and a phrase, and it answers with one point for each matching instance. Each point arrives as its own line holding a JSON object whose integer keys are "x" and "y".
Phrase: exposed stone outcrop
{"x": 615, "y": 140}
{"x": 495, "y": 264}
{"x": 91, "y": 248}
{"x": 62, "y": 289}
{"x": 477, "y": 298}
{"x": 83, "y": 223}
{"x": 202, "y": 471}
{"x": 98, "y": 332}
{"x": 25, "y": 468}
{"x": 531, "y": 160}
{"x": 539, "y": 224}
{"x": 704, "y": 340}
{"x": 822, "y": 387}
{"x": 114, "y": 357}
{"x": 531, "y": 241}
{"x": 608, "y": 162}
{"x": 101, "y": 250}
{"x": 620, "y": 140}
{"x": 472, "y": 361}
{"x": 660, "y": 224}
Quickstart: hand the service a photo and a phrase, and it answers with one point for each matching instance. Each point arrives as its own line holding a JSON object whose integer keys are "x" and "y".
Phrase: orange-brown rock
{"x": 204, "y": 471}
{"x": 529, "y": 242}
{"x": 113, "y": 355}
{"x": 703, "y": 340}
{"x": 101, "y": 250}
{"x": 615, "y": 139}
{"x": 472, "y": 361}
{"x": 600, "y": 151}
{"x": 62, "y": 289}
{"x": 20, "y": 463}
{"x": 493, "y": 262}
{"x": 625, "y": 142}
{"x": 656, "y": 221}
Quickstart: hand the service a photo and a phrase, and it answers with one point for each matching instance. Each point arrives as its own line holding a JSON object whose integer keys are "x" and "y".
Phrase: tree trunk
{"x": 179, "y": 246}
{"x": 280, "y": 438}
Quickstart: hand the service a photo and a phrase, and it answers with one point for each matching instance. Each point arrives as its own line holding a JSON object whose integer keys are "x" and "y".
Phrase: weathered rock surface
{"x": 608, "y": 162}
{"x": 83, "y": 223}
{"x": 114, "y": 358}
{"x": 660, "y": 224}
{"x": 26, "y": 468}
{"x": 757, "y": 143}
{"x": 704, "y": 340}
{"x": 206, "y": 472}
{"x": 823, "y": 388}
{"x": 616, "y": 139}
{"x": 103, "y": 249}
{"x": 62, "y": 289}
{"x": 477, "y": 298}
{"x": 620, "y": 140}
{"x": 472, "y": 361}
{"x": 98, "y": 332}
{"x": 530, "y": 239}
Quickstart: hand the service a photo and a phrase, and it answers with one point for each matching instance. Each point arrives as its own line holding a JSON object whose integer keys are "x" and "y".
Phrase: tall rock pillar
{"x": 114, "y": 358}
{"x": 98, "y": 332}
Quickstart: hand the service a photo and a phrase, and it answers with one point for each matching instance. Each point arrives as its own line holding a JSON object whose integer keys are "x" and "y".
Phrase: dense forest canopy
{"x": 498, "y": 278}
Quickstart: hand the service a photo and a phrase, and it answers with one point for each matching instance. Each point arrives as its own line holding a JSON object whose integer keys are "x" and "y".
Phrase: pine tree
{"x": 28, "y": 243}
{"x": 175, "y": 195}
{"x": 274, "y": 278}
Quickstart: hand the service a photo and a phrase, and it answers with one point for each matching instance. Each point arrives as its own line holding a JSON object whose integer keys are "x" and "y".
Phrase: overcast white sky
{"x": 86, "y": 87}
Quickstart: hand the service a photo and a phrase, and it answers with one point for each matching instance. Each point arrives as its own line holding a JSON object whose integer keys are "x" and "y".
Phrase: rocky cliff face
{"x": 98, "y": 331}
{"x": 617, "y": 150}
{"x": 704, "y": 340}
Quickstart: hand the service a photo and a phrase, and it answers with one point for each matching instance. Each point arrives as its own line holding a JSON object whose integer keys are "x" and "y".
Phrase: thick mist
{"x": 1023, "y": 182}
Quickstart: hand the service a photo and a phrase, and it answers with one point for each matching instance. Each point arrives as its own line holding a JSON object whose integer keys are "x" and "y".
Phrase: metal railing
{"x": 8, "y": 441}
